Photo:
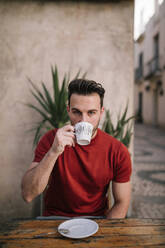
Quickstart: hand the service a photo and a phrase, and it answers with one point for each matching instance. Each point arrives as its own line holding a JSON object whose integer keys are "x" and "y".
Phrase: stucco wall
{"x": 96, "y": 37}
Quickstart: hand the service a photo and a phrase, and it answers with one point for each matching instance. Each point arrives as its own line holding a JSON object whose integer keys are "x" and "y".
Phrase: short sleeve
{"x": 123, "y": 166}
{"x": 44, "y": 145}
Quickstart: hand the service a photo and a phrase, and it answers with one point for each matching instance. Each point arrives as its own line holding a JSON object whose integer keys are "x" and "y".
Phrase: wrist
{"x": 53, "y": 153}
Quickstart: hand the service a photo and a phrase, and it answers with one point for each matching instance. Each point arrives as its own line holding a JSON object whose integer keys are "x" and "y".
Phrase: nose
{"x": 84, "y": 117}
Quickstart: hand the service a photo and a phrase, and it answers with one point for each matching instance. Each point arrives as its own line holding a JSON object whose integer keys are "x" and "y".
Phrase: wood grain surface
{"x": 112, "y": 233}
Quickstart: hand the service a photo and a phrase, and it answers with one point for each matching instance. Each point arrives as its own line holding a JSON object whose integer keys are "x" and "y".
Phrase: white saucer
{"x": 78, "y": 228}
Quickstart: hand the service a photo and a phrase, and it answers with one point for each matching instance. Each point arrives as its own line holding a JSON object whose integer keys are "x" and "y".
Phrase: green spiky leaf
{"x": 122, "y": 131}
{"x": 50, "y": 105}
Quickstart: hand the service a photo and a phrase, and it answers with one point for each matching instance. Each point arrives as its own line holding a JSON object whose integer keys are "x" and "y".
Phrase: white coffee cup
{"x": 83, "y": 131}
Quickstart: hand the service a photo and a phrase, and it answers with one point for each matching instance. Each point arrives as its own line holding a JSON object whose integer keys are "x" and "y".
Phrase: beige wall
{"x": 96, "y": 37}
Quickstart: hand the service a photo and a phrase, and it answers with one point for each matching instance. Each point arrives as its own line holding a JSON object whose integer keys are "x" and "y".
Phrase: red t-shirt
{"x": 81, "y": 175}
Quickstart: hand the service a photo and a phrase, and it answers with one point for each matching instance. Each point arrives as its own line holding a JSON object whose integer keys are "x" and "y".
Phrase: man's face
{"x": 85, "y": 108}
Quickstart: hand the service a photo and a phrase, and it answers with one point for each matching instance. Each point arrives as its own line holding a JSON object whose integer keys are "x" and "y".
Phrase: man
{"x": 75, "y": 178}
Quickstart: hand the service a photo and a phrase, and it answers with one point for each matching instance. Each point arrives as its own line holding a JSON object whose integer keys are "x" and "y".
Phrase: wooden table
{"x": 112, "y": 233}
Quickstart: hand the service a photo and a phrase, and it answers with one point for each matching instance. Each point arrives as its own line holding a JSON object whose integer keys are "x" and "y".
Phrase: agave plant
{"x": 52, "y": 109}
{"x": 123, "y": 129}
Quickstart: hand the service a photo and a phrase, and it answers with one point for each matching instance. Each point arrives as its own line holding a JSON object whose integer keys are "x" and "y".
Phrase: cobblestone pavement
{"x": 148, "y": 184}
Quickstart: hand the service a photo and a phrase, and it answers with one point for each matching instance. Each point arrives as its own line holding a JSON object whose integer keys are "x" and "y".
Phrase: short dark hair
{"x": 85, "y": 87}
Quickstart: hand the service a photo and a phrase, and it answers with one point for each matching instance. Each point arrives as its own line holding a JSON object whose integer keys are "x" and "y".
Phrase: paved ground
{"x": 148, "y": 184}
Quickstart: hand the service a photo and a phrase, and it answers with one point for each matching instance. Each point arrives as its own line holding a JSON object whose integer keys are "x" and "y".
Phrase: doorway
{"x": 155, "y": 107}
{"x": 140, "y": 108}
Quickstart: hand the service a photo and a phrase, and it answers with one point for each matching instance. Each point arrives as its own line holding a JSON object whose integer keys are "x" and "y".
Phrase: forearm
{"x": 36, "y": 179}
{"x": 118, "y": 211}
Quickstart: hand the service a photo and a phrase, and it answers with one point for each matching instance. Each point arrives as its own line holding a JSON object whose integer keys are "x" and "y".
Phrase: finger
{"x": 69, "y": 134}
{"x": 74, "y": 142}
{"x": 70, "y": 141}
{"x": 68, "y": 128}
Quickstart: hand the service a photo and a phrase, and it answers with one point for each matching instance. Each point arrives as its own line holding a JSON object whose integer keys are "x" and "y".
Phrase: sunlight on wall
{"x": 144, "y": 10}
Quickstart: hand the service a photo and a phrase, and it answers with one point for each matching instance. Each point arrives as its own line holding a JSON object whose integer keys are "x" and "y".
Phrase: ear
{"x": 68, "y": 108}
{"x": 102, "y": 111}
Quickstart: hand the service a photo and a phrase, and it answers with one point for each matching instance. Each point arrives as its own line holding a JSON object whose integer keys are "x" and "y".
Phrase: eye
{"x": 92, "y": 112}
{"x": 76, "y": 112}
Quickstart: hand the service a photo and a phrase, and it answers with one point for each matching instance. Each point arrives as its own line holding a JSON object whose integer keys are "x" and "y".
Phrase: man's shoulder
{"x": 106, "y": 137}
{"x": 48, "y": 137}
{"x": 112, "y": 143}
{"x": 44, "y": 145}
{"x": 51, "y": 132}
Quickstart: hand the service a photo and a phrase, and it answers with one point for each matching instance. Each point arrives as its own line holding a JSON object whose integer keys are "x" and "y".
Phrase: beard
{"x": 94, "y": 132}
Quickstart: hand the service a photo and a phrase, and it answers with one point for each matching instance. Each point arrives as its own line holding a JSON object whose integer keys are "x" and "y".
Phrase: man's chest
{"x": 89, "y": 168}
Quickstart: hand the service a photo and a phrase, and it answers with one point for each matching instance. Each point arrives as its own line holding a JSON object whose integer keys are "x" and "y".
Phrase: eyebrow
{"x": 88, "y": 110}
